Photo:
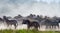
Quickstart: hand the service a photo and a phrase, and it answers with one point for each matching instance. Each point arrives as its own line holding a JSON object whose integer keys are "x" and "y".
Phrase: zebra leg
{"x": 28, "y": 27}
{"x": 49, "y": 27}
{"x": 39, "y": 26}
{"x": 15, "y": 26}
{"x": 58, "y": 26}
{"x": 7, "y": 25}
{"x": 36, "y": 28}
{"x": 54, "y": 27}
{"x": 46, "y": 27}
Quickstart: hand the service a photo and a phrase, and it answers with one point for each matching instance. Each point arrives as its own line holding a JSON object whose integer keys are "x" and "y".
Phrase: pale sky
{"x": 26, "y": 7}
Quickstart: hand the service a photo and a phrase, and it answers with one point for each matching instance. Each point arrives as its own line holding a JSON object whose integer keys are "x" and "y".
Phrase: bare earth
{"x": 24, "y": 26}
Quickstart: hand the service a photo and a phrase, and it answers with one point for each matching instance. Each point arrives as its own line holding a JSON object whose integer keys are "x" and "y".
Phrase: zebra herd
{"x": 48, "y": 22}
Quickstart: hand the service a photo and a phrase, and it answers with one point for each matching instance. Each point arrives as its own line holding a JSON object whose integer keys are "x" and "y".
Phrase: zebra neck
{"x": 6, "y": 20}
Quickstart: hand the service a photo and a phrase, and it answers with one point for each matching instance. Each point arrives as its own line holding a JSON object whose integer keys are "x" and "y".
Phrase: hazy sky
{"x": 26, "y": 7}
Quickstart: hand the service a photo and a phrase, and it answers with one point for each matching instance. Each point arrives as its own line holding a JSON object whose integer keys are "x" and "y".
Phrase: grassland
{"x": 26, "y": 31}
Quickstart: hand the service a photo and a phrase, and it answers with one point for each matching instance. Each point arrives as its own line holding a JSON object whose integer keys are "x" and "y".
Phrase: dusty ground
{"x": 24, "y": 26}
